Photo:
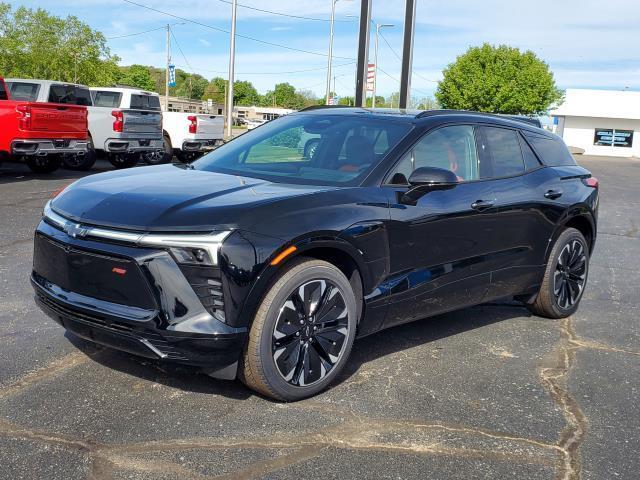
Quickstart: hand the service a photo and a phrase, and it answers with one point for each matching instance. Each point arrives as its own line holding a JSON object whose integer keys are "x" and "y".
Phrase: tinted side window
{"x": 3, "y": 91}
{"x": 27, "y": 92}
{"x": 451, "y": 148}
{"x": 531, "y": 161}
{"x": 505, "y": 151}
{"x": 145, "y": 102}
{"x": 106, "y": 99}
{"x": 552, "y": 150}
{"x": 70, "y": 95}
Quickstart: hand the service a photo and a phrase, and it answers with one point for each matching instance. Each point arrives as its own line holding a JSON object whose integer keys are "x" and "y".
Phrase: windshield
{"x": 308, "y": 149}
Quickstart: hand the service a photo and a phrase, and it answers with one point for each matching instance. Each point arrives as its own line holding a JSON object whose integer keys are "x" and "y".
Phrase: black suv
{"x": 260, "y": 262}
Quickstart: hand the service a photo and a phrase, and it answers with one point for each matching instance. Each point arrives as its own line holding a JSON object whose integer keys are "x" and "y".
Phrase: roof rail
{"x": 321, "y": 107}
{"x": 516, "y": 118}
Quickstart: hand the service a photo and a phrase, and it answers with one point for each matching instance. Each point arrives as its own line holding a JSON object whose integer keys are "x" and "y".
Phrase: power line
{"x": 137, "y": 33}
{"x": 400, "y": 58}
{"x": 181, "y": 52}
{"x": 283, "y": 14}
{"x": 398, "y": 81}
{"x": 222, "y": 30}
{"x": 273, "y": 73}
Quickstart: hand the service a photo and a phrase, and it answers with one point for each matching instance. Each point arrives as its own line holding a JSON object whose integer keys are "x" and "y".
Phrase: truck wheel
{"x": 302, "y": 333}
{"x": 124, "y": 160}
{"x": 81, "y": 163}
{"x": 160, "y": 156}
{"x": 43, "y": 164}
{"x": 188, "y": 157}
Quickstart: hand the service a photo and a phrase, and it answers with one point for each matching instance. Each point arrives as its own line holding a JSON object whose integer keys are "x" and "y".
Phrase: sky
{"x": 587, "y": 43}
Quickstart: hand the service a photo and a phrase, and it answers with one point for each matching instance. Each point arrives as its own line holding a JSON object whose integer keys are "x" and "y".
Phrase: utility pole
{"x": 232, "y": 61}
{"x": 166, "y": 82}
{"x": 407, "y": 53}
{"x": 375, "y": 62}
{"x": 363, "y": 53}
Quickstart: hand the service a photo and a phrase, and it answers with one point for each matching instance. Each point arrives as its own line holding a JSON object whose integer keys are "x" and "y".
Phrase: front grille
{"x": 207, "y": 285}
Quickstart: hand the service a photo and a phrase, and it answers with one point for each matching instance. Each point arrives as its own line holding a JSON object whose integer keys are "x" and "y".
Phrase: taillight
{"x": 118, "y": 123}
{"x": 193, "y": 126}
{"x": 24, "y": 122}
{"x": 591, "y": 182}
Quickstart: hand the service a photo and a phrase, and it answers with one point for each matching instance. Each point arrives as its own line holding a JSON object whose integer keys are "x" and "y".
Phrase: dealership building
{"x": 600, "y": 122}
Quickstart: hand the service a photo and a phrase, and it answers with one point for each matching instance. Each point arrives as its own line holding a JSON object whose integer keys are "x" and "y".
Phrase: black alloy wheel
{"x": 565, "y": 277}
{"x": 44, "y": 163}
{"x": 124, "y": 160}
{"x": 302, "y": 333}
{"x": 158, "y": 157}
{"x": 570, "y": 275}
{"x": 310, "y": 333}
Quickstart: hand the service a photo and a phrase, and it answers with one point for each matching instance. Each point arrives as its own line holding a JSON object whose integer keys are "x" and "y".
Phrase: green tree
{"x": 138, "y": 76}
{"x": 35, "y": 44}
{"x": 244, "y": 93}
{"x": 215, "y": 90}
{"x": 498, "y": 80}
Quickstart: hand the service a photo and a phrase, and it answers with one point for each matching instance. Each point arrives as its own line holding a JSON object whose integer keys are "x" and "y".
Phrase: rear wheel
{"x": 43, "y": 164}
{"x": 188, "y": 157}
{"x": 158, "y": 157}
{"x": 124, "y": 160}
{"x": 81, "y": 162}
{"x": 302, "y": 334}
{"x": 565, "y": 277}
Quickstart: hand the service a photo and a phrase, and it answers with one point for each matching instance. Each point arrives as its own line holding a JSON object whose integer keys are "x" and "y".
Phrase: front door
{"x": 441, "y": 245}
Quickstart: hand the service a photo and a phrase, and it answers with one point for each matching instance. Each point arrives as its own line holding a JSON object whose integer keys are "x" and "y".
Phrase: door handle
{"x": 481, "y": 205}
{"x": 553, "y": 194}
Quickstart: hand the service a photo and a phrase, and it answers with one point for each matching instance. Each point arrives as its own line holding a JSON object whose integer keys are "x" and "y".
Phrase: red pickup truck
{"x": 40, "y": 133}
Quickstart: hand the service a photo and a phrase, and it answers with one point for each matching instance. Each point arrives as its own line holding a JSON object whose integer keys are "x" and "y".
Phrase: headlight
{"x": 197, "y": 249}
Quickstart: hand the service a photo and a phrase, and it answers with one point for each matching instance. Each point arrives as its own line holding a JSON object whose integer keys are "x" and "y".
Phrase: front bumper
{"x": 133, "y": 145}
{"x": 49, "y": 146}
{"x": 169, "y": 324}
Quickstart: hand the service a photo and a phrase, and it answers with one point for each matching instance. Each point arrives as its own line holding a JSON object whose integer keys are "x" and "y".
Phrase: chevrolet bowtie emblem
{"x": 75, "y": 230}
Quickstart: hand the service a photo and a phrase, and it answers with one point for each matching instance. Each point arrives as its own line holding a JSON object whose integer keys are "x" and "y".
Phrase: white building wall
{"x": 580, "y": 132}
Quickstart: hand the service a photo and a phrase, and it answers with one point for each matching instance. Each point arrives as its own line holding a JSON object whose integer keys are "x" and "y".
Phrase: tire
{"x": 310, "y": 148}
{"x": 81, "y": 163}
{"x": 188, "y": 157}
{"x": 43, "y": 164}
{"x": 159, "y": 157}
{"x": 272, "y": 364}
{"x": 124, "y": 160}
{"x": 565, "y": 277}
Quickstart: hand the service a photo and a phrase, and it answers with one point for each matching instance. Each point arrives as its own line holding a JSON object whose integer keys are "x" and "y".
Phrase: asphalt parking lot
{"x": 488, "y": 392}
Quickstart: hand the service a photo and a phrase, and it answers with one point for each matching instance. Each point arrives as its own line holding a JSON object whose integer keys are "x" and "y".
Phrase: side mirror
{"x": 432, "y": 177}
{"x": 426, "y": 179}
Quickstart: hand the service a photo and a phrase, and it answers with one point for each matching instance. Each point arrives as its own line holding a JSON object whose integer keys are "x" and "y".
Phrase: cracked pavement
{"x": 488, "y": 392}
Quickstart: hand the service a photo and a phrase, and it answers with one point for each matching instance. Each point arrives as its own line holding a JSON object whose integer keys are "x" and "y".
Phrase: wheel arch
{"x": 582, "y": 220}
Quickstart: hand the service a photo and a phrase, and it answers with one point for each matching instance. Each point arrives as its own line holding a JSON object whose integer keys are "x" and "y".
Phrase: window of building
{"x": 610, "y": 137}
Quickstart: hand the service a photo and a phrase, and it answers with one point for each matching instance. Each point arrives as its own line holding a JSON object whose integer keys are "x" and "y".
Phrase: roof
{"x": 600, "y": 104}
{"x": 42, "y": 82}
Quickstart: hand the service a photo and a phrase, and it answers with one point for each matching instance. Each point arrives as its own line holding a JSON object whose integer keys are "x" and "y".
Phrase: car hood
{"x": 172, "y": 198}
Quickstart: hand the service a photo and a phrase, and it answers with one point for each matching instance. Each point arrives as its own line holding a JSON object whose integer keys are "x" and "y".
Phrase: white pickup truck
{"x": 123, "y": 122}
{"x": 188, "y": 136}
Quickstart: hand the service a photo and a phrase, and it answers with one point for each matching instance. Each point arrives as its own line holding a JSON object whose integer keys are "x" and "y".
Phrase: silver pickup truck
{"x": 124, "y": 123}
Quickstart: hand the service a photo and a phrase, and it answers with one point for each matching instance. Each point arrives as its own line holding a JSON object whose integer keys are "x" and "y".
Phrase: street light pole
{"x": 232, "y": 59}
{"x": 166, "y": 82}
{"x": 375, "y": 61}
{"x": 330, "y": 60}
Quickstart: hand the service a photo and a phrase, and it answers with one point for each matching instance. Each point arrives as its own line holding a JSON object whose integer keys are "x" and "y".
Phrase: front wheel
{"x": 44, "y": 163}
{"x": 302, "y": 334}
{"x": 565, "y": 277}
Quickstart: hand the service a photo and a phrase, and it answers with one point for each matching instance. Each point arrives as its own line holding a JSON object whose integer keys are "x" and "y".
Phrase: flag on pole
{"x": 172, "y": 75}
{"x": 371, "y": 76}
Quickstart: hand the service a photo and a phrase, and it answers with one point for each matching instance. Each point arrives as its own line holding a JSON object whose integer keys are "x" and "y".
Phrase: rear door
{"x": 441, "y": 246}
{"x": 526, "y": 215}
